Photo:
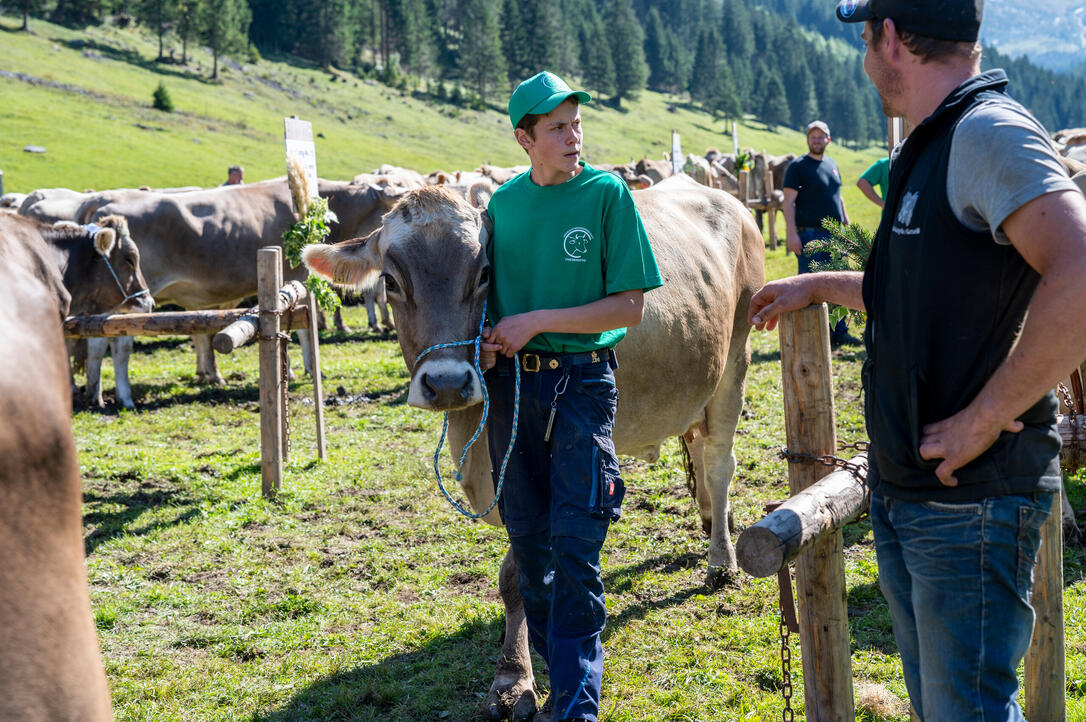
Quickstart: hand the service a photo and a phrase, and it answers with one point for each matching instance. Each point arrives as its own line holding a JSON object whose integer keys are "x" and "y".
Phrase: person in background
{"x": 980, "y": 252}
{"x": 876, "y": 176}
{"x": 812, "y": 193}
{"x": 235, "y": 175}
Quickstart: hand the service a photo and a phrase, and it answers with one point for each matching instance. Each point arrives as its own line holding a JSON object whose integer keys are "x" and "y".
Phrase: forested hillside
{"x": 782, "y": 61}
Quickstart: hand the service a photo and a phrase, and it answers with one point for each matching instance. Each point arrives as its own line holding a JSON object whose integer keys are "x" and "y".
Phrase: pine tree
{"x": 705, "y": 80}
{"x": 656, "y": 52}
{"x": 541, "y": 26}
{"x": 78, "y": 13}
{"x": 158, "y": 15}
{"x": 224, "y": 27}
{"x": 417, "y": 51}
{"x": 725, "y": 99}
{"x": 772, "y": 104}
{"x": 596, "y": 55}
{"x": 27, "y": 7}
{"x": 481, "y": 60}
{"x": 627, "y": 49}
{"x": 515, "y": 42}
{"x": 188, "y": 24}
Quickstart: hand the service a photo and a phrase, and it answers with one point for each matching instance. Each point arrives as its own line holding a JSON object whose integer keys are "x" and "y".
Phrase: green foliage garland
{"x": 849, "y": 248}
{"x": 312, "y": 228}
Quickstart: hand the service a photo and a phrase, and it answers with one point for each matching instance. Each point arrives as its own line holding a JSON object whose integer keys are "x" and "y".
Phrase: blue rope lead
{"x": 482, "y": 422}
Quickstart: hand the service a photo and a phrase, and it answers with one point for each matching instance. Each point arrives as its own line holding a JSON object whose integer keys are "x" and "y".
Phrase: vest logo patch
{"x": 575, "y": 244}
{"x": 905, "y": 210}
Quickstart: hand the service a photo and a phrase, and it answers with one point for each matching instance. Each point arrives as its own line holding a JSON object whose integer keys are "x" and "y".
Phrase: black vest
{"x": 945, "y": 304}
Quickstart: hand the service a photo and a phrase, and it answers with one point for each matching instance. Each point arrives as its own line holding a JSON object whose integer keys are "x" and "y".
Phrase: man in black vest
{"x": 981, "y": 225}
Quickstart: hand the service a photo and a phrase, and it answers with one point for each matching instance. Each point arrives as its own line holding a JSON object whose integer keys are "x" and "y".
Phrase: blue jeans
{"x": 957, "y": 577}
{"x": 558, "y": 501}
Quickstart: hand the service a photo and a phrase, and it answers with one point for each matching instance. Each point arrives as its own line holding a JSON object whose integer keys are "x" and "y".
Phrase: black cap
{"x": 956, "y": 20}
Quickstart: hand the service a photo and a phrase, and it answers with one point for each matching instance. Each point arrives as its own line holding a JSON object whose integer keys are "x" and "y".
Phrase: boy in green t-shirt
{"x": 877, "y": 174}
{"x": 570, "y": 262}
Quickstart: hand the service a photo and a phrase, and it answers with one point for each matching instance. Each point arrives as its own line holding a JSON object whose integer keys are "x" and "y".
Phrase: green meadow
{"x": 358, "y": 593}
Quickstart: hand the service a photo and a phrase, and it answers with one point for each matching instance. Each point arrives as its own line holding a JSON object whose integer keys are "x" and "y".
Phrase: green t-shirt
{"x": 878, "y": 175}
{"x": 566, "y": 245}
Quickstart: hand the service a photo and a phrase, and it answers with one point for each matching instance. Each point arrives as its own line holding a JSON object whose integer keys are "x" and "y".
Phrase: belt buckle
{"x": 595, "y": 357}
{"x": 526, "y": 362}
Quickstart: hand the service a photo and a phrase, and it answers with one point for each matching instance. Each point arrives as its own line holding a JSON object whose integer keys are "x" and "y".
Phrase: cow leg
{"x": 1071, "y": 533}
{"x": 96, "y": 351}
{"x": 381, "y": 298}
{"x": 696, "y": 448}
{"x": 337, "y": 319}
{"x": 722, "y": 414}
{"x": 512, "y": 693}
{"x": 207, "y": 369}
{"x": 370, "y": 297}
{"x": 121, "y": 348}
{"x": 306, "y": 343}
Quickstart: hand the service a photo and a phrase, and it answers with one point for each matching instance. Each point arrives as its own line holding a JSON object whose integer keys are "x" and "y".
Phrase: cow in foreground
{"x": 52, "y": 668}
{"x": 682, "y": 371}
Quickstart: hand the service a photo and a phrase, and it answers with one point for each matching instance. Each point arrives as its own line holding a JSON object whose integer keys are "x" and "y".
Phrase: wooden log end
{"x": 760, "y": 552}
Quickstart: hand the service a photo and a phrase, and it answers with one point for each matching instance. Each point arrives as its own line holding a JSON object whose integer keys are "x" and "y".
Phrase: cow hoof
{"x": 720, "y": 577}
{"x": 215, "y": 379}
{"x": 516, "y": 703}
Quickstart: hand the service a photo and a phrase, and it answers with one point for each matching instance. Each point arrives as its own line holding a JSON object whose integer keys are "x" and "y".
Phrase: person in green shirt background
{"x": 877, "y": 174}
{"x": 570, "y": 262}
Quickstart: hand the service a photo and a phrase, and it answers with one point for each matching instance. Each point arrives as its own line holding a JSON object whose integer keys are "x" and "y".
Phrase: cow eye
{"x": 391, "y": 286}
{"x": 484, "y": 278}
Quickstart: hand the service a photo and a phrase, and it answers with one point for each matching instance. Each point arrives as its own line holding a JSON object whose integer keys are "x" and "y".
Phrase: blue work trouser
{"x": 558, "y": 500}
{"x": 957, "y": 577}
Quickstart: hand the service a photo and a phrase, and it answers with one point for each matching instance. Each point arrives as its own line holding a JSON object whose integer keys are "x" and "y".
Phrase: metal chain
{"x": 786, "y": 669}
{"x": 1072, "y": 417}
{"x": 858, "y": 472}
{"x": 284, "y": 373}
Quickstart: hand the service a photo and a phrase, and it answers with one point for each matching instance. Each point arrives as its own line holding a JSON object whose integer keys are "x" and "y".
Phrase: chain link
{"x": 859, "y": 473}
{"x": 786, "y": 669}
{"x": 1072, "y": 418}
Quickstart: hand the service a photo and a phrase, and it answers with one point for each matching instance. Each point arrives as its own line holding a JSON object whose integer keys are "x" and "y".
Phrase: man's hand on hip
{"x": 958, "y": 440}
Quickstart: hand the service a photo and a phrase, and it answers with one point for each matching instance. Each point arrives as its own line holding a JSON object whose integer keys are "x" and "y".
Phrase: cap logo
{"x": 848, "y": 7}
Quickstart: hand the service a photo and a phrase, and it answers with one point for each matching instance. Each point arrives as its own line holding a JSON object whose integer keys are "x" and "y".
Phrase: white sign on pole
{"x": 298, "y": 139}
{"x": 677, "y": 159}
{"x": 735, "y": 138}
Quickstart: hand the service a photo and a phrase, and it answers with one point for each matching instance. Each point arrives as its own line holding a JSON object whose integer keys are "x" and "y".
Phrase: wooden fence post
{"x": 820, "y": 571}
{"x": 318, "y": 392}
{"x": 269, "y": 279}
{"x": 1046, "y": 690}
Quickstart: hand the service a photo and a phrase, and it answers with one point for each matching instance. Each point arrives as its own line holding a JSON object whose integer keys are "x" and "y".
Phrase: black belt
{"x": 533, "y": 362}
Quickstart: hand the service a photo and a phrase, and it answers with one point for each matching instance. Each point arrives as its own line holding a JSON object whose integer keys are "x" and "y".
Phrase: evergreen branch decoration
{"x": 311, "y": 227}
{"x": 849, "y": 247}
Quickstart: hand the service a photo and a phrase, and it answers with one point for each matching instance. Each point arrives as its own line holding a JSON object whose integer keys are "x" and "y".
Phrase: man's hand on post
{"x": 776, "y": 297}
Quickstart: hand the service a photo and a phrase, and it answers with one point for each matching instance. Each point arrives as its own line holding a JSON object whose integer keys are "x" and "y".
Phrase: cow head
{"x": 430, "y": 253}
{"x": 358, "y": 207}
{"x": 103, "y": 275}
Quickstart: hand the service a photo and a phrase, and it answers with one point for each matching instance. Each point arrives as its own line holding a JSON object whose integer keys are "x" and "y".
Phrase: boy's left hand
{"x": 512, "y": 332}
{"x": 488, "y": 352}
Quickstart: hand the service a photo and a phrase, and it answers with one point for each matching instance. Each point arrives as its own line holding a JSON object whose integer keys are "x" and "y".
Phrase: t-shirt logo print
{"x": 575, "y": 244}
{"x": 905, "y": 212}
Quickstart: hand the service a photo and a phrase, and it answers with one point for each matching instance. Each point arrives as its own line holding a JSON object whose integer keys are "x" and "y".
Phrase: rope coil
{"x": 482, "y": 422}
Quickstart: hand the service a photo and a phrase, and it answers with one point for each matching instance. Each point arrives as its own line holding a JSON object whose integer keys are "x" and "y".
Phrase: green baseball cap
{"x": 540, "y": 94}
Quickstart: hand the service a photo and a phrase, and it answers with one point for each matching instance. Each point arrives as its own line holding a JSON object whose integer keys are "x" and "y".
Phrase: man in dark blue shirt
{"x": 812, "y": 193}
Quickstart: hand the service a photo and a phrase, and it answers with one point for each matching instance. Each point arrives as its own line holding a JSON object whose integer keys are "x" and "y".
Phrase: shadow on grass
{"x": 337, "y": 337}
{"x": 161, "y": 344}
{"x": 759, "y": 357}
{"x": 235, "y": 395}
{"x": 444, "y": 678}
{"x": 132, "y": 58}
{"x": 133, "y": 504}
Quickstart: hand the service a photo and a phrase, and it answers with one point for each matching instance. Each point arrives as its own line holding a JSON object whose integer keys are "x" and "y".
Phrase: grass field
{"x": 101, "y": 132}
{"x": 359, "y": 594}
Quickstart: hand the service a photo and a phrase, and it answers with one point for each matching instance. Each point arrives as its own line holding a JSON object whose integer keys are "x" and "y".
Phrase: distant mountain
{"x": 1051, "y": 33}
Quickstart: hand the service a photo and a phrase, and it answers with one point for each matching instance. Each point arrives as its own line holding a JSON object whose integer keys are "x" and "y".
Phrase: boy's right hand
{"x": 488, "y": 352}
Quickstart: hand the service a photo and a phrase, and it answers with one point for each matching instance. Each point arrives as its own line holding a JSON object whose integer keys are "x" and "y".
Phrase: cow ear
{"x": 355, "y": 263}
{"x": 486, "y": 230}
{"x": 479, "y": 194}
{"x": 104, "y": 240}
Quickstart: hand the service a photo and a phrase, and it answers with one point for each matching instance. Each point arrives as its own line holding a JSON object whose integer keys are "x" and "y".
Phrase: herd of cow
{"x": 115, "y": 251}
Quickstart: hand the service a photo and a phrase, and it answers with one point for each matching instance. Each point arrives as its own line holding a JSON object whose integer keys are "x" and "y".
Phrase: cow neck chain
{"x": 475, "y": 342}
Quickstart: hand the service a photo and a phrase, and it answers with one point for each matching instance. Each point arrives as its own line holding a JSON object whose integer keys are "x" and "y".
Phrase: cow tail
{"x": 688, "y": 467}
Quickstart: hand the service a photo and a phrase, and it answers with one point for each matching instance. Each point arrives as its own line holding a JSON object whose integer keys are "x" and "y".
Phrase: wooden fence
{"x": 235, "y": 328}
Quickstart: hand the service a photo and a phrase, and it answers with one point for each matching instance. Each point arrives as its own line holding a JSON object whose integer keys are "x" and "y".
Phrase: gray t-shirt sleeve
{"x": 1000, "y": 159}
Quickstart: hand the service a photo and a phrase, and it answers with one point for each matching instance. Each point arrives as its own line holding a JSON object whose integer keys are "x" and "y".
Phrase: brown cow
{"x": 682, "y": 371}
{"x": 198, "y": 249}
{"x": 52, "y": 669}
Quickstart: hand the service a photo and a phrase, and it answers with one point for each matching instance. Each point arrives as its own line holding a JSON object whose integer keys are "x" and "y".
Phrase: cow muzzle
{"x": 444, "y": 385}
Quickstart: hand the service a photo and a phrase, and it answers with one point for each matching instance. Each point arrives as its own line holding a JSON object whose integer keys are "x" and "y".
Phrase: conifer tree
{"x": 627, "y": 49}
{"x": 596, "y": 55}
{"x": 481, "y": 60}
{"x": 188, "y": 25}
{"x": 27, "y": 7}
{"x": 515, "y": 42}
{"x": 224, "y": 26}
{"x": 158, "y": 15}
{"x": 705, "y": 78}
{"x": 78, "y": 13}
